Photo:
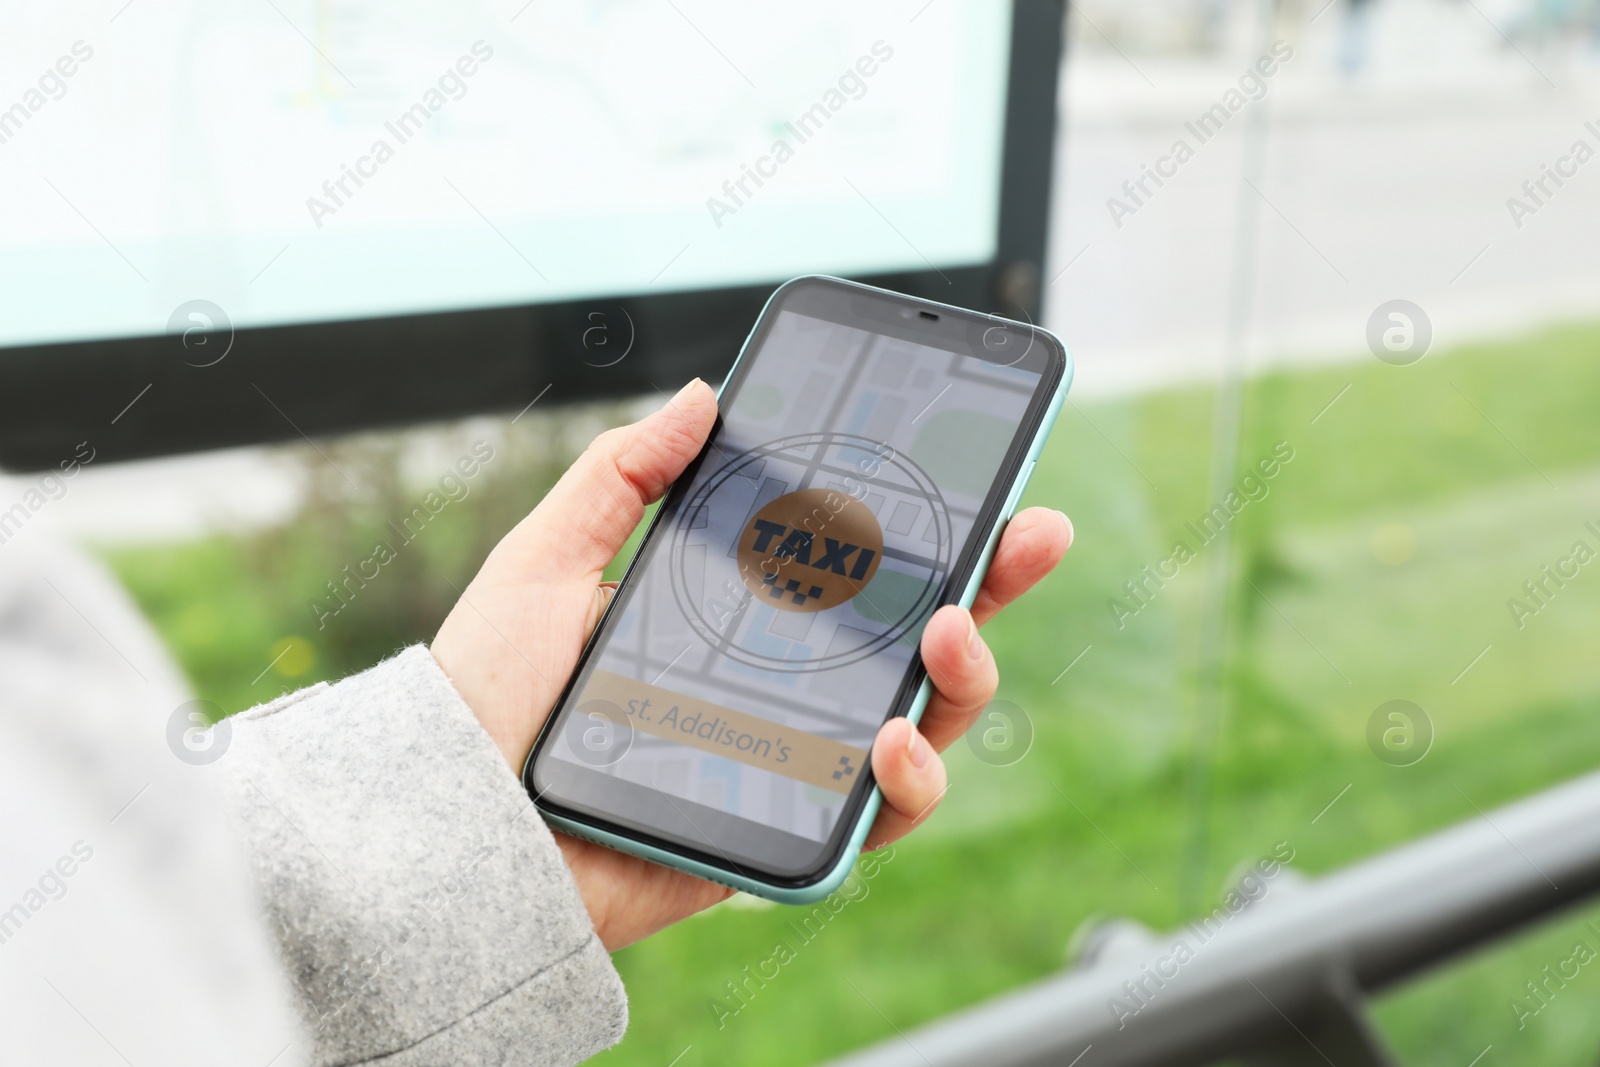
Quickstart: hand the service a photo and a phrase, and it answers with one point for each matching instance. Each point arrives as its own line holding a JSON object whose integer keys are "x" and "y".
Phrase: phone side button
{"x": 1018, "y": 489}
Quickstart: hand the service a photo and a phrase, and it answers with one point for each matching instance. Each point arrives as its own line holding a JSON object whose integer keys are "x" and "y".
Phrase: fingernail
{"x": 1064, "y": 520}
{"x": 685, "y": 390}
{"x": 918, "y": 749}
{"x": 974, "y": 643}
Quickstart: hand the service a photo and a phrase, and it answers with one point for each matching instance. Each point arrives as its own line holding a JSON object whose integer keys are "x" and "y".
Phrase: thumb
{"x": 602, "y": 600}
{"x": 583, "y": 522}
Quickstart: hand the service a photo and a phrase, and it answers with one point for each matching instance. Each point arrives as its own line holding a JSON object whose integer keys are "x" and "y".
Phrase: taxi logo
{"x": 810, "y": 550}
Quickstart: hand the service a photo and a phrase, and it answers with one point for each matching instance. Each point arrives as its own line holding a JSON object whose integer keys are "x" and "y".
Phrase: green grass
{"x": 1378, "y": 567}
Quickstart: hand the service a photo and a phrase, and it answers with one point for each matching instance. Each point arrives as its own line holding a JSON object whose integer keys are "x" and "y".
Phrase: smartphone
{"x": 868, "y": 450}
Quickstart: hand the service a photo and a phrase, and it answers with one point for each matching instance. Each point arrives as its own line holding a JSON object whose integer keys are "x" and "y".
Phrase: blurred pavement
{"x": 1391, "y": 183}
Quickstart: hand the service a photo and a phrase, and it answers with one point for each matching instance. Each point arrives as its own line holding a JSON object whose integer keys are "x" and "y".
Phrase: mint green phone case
{"x": 841, "y": 870}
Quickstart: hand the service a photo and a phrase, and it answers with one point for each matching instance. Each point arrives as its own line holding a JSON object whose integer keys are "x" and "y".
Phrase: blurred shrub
{"x": 391, "y": 527}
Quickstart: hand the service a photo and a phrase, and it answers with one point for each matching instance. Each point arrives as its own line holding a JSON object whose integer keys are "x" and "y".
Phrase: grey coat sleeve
{"x": 422, "y": 907}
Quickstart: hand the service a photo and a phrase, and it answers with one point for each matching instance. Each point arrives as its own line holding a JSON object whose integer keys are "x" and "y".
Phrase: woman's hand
{"x": 513, "y": 639}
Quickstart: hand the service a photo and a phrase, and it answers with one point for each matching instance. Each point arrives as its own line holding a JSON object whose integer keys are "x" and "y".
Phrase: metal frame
{"x": 280, "y": 382}
{"x": 1285, "y": 980}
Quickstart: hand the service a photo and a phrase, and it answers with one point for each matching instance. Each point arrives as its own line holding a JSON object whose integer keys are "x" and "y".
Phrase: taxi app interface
{"x": 773, "y": 622}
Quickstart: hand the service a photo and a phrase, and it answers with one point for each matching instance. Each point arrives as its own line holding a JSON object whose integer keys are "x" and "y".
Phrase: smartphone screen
{"x": 770, "y": 622}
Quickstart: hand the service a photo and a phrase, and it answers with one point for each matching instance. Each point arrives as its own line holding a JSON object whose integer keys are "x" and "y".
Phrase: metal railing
{"x": 1285, "y": 980}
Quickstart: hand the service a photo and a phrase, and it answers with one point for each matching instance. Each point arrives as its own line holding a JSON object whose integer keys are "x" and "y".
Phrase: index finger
{"x": 1034, "y": 542}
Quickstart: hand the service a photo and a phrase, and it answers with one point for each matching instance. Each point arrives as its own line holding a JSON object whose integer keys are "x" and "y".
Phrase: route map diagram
{"x": 556, "y": 152}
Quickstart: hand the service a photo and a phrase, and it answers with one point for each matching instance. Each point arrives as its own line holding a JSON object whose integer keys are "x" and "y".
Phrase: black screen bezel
{"x": 883, "y": 312}
{"x": 314, "y": 379}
